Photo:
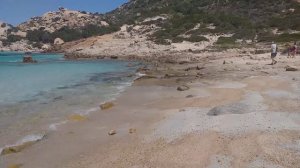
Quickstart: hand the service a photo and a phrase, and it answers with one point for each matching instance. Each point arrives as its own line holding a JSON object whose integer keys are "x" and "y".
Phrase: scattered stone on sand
{"x": 194, "y": 68}
{"x": 112, "y": 132}
{"x": 183, "y": 88}
{"x": 291, "y": 68}
{"x": 132, "y": 130}
{"x": 146, "y": 77}
{"x": 224, "y": 62}
{"x": 15, "y": 166}
{"x": 106, "y": 106}
{"x": 77, "y": 117}
{"x": 189, "y": 96}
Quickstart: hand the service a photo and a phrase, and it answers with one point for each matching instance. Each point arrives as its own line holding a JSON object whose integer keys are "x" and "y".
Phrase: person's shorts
{"x": 273, "y": 55}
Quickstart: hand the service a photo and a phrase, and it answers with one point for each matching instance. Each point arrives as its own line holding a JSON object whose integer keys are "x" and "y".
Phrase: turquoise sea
{"x": 36, "y": 98}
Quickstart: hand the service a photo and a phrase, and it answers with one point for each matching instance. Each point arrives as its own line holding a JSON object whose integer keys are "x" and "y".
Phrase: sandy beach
{"x": 236, "y": 113}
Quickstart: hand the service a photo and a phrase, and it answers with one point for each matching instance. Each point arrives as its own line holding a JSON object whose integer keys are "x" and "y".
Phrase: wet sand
{"x": 234, "y": 115}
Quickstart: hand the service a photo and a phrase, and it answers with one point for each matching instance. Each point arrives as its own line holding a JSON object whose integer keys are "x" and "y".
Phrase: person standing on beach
{"x": 274, "y": 50}
{"x": 294, "y": 50}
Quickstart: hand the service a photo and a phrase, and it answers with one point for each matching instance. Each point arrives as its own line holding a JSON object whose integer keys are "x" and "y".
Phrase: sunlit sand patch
{"x": 280, "y": 94}
{"x": 266, "y": 83}
{"x": 282, "y": 101}
{"x": 213, "y": 97}
{"x": 230, "y": 85}
{"x": 253, "y": 102}
{"x": 219, "y": 161}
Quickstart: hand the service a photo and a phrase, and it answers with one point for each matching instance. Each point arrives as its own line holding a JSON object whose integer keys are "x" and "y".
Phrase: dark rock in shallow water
{"x": 28, "y": 59}
{"x": 114, "y": 57}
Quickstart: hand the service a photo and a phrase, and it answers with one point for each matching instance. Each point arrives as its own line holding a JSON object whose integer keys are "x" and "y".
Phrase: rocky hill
{"x": 245, "y": 19}
{"x": 54, "y": 21}
{"x": 4, "y": 28}
{"x": 216, "y": 23}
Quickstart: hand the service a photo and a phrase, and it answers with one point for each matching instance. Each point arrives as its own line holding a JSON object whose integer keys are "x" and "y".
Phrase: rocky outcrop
{"x": 58, "y": 41}
{"x": 56, "y": 20}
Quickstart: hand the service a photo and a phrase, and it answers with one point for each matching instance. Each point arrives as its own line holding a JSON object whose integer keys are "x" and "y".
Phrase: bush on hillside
{"x": 39, "y": 36}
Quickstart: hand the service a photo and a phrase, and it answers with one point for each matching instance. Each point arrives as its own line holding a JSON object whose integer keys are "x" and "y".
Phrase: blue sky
{"x": 17, "y": 11}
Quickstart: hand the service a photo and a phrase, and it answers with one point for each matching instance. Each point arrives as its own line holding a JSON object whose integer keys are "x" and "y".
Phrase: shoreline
{"x": 242, "y": 95}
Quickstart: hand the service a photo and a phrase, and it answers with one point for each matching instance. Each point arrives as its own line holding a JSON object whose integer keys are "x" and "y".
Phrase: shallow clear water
{"x": 34, "y": 96}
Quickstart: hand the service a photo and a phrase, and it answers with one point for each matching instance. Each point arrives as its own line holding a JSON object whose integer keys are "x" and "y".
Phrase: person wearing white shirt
{"x": 274, "y": 50}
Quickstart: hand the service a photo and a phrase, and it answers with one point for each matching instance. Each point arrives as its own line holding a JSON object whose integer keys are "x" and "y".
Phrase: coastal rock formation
{"x": 28, "y": 59}
{"x": 56, "y": 20}
{"x": 4, "y": 28}
{"x": 58, "y": 41}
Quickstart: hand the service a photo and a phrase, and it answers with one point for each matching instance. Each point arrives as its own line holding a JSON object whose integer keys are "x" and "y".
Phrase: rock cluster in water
{"x": 28, "y": 59}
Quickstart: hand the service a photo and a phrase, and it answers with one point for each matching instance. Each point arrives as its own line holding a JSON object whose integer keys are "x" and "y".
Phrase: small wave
{"x": 140, "y": 74}
{"x": 31, "y": 138}
{"x": 26, "y": 139}
{"x": 53, "y": 127}
{"x": 87, "y": 112}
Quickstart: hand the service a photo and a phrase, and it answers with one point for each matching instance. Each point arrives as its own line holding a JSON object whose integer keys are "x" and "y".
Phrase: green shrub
{"x": 14, "y": 38}
{"x": 197, "y": 39}
{"x": 39, "y": 36}
{"x": 226, "y": 40}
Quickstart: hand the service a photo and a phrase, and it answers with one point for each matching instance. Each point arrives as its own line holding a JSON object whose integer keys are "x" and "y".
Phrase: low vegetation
{"x": 68, "y": 34}
{"x": 245, "y": 19}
